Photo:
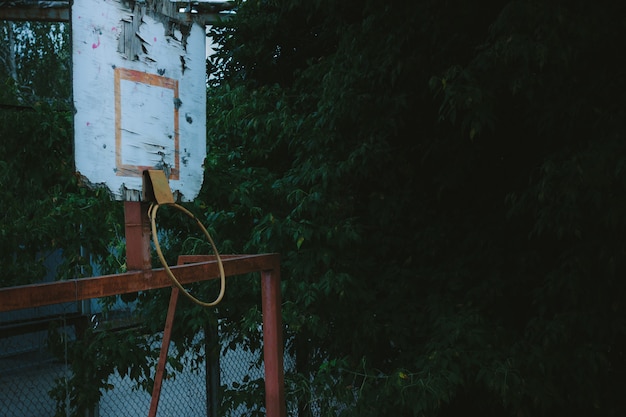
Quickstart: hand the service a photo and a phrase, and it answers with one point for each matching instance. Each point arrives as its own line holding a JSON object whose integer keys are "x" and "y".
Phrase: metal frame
{"x": 197, "y": 268}
{"x": 190, "y": 268}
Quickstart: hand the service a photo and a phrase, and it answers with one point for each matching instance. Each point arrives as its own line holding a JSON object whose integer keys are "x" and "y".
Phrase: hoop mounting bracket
{"x": 156, "y": 188}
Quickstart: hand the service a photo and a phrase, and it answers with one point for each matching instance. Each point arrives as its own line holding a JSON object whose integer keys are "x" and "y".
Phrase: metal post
{"x": 212, "y": 368}
{"x": 137, "y": 230}
{"x": 165, "y": 346}
{"x": 275, "y": 405}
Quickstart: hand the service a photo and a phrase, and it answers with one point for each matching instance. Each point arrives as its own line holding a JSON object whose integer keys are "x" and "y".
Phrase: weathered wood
{"x": 44, "y": 11}
{"x": 28, "y": 296}
{"x": 59, "y": 11}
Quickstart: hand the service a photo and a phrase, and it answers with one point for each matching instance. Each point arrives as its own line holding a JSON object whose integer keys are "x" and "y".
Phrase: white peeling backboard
{"x": 140, "y": 97}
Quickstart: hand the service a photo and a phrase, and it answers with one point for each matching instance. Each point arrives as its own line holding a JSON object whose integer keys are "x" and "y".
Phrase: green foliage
{"x": 96, "y": 356}
{"x": 443, "y": 181}
{"x": 45, "y": 208}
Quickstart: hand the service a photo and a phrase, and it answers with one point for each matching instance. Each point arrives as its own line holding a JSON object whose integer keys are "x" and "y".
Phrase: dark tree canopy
{"x": 445, "y": 182}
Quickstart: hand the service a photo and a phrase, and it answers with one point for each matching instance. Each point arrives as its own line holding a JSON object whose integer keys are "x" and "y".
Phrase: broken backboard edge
{"x": 59, "y": 11}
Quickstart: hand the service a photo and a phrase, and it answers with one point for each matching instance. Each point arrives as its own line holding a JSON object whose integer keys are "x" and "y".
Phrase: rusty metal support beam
{"x": 137, "y": 232}
{"x": 275, "y": 405}
{"x": 27, "y": 296}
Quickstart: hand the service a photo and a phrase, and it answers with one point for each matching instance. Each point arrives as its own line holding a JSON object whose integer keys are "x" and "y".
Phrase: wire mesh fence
{"x": 29, "y": 372}
{"x": 185, "y": 394}
{"x": 24, "y": 387}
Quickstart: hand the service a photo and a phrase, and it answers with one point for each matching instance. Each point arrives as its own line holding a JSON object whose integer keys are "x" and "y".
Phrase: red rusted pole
{"x": 137, "y": 230}
{"x": 275, "y": 405}
{"x": 165, "y": 346}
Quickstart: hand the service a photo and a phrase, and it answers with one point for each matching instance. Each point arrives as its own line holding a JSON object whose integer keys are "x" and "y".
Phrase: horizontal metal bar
{"x": 36, "y": 295}
{"x": 41, "y": 324}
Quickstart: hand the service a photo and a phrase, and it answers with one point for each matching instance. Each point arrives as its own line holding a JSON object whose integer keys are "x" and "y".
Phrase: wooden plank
{"x": 54, "y": 11}
{"x": 60, "y": 12}
{"x": 28, "y": 296}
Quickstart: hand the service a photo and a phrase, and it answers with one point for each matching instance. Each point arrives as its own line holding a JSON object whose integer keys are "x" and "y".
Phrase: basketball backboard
{"x": 139, "y": 80}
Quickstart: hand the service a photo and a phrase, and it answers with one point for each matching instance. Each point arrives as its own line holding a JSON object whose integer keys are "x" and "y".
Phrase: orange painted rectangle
{"x": 121, "y": 74}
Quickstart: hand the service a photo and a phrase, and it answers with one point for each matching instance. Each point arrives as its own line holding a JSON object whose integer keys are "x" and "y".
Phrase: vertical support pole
{"x": 275, "y": 405}
{"x": 137, "y": 230}
{"x": 212, "y": 368}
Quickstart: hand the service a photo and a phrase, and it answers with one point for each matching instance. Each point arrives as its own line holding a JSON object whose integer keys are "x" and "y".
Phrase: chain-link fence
{"x": 29, "y": 372}
{"x": 183, "y": 395}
